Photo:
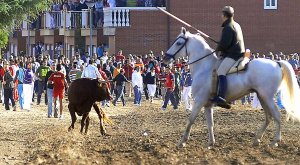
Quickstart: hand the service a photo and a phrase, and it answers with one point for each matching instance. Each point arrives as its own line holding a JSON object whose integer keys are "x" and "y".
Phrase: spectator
{"x": 151, "y": 80}
{"x": 100, "y": 50}
{"x": 177, "y": 80}
{"x": 73, "y": 73}
{"x": 112, "y": 3}
{"x": 19, "y": 79}
{"x": 117, "y": 70}
{"x": 137, "y": 84}
{"x": 120, "y": 80}
{"x": 120, "y": 56}
{"x": 8, "y": 86}
{"x": 1, "y": 79}
{"x": 187, "y": 87}
{"x": 41, "y": 75}
{"x": 128, "y": 68}
{"x": 50, "y": 91}
{"x": 28, "y": 87}
{"x": 91, "y": 72}
{"x": 99, "y": 14}
{"x": 170, "y": 86}
{"x": 104, "y": 58}
{"x": 59, "y": 82}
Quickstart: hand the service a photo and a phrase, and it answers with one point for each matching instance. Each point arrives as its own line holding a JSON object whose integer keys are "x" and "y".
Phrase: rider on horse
{"x": 232, "y": 48}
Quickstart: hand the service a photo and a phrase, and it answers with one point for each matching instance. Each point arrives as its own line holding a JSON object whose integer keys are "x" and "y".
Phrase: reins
{"x": 201, "y": 58}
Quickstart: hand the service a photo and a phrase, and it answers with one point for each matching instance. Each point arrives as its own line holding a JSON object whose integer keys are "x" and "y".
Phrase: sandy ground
{"x": 143, "y": 135}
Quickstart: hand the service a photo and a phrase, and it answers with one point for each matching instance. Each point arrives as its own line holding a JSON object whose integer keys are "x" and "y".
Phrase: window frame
{"x": 270, "y": 7}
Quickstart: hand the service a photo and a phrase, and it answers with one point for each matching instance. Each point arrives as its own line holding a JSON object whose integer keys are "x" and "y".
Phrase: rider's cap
{"x": 228, "y": 9}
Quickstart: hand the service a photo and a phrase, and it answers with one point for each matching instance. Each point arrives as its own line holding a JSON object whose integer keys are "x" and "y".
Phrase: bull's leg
{"x": 73, "y": 116}
{"x": 84, "y": 116}
{"x": 100, "y": 115}
{"x": 87, "y": 123}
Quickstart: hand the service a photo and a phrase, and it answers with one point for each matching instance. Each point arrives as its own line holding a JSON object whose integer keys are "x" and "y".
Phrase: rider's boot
{"x": 219, "y": 100}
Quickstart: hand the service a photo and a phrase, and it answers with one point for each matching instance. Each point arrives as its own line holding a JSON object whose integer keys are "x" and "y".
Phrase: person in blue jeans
{"x": 120, "y": 80}
{"x": 170, "y": 86}
{"x": 278, "y": 98}
{"x": 50, "y": 92}
{"x": 20, "y": 78}
{"x": 137, "y": 84}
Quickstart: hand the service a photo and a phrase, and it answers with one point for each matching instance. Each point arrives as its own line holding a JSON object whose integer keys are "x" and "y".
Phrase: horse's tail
{"x": 290, "y": 91}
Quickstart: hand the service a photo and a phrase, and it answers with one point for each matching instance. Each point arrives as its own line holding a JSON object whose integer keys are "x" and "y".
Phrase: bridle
{"x": 183, "y": 45}
{"x": 186, "y": 51}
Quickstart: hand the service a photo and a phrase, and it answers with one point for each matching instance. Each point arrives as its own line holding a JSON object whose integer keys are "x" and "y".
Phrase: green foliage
{"x": 3, "y": 38}
{"x": 13, "y": 12}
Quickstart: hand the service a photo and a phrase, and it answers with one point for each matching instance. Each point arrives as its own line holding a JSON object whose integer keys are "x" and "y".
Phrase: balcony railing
{"x": 116, "y": 17}
{"x": 112, "y": 17}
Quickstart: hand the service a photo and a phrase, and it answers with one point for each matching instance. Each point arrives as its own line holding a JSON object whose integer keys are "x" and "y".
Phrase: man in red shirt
{"x": 128, "y": 68}
{"x": 59, "y": 81}
{"x": 170, "y": 86}
{"x": 120, "y": 57}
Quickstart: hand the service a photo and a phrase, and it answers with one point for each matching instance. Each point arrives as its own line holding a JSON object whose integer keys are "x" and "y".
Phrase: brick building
{"x": 268, "y": 25}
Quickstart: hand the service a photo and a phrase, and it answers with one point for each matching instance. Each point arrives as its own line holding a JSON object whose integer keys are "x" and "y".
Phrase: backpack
{"x": 21, "y": 75}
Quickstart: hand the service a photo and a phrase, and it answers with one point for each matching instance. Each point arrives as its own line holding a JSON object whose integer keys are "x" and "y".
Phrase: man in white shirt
{"x": 137, "y": 83}
{"x": 78, "y": 61}
{"x": 104, "y": 58}
{"x": 91, "y": 71}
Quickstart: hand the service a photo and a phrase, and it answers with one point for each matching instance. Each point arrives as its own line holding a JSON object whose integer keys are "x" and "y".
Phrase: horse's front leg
{"x": 210, "y": 125}
{"x": 195, "y": 111}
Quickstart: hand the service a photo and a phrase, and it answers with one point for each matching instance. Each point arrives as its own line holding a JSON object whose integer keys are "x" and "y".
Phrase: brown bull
{"x": 83, "y": 94}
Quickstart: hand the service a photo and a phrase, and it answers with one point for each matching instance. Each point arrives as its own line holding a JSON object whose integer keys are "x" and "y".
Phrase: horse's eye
{"x": 178, "y": 43}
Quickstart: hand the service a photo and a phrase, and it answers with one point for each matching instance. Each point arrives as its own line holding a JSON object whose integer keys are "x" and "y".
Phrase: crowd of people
{"x": 25, "y": 79}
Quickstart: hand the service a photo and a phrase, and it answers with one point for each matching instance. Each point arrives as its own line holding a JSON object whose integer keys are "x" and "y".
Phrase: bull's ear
{"x": 183, "y": 30}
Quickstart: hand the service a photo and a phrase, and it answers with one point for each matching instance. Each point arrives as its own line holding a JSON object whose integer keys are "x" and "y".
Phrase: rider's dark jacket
{"x": 232, "y": 43}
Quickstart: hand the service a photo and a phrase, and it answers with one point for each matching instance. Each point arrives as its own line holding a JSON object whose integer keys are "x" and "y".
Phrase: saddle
{"x": 240, "y": 65}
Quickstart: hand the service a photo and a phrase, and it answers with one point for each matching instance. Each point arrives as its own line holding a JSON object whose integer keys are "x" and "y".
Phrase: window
{"x": 270, "y": 4}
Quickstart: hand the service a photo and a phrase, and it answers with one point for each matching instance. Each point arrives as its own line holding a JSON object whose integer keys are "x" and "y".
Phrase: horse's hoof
{"x": 273, "y": 145}
{"x": 209, "y": 146}
{"x": 181, "y": 145}
{"x": 256, "y": 142}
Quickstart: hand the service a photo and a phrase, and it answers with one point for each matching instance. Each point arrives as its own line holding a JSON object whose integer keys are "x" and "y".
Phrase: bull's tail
{"x": 102, "y": 114}
{"x": 105, "y": 118}
{"x": 290, "y": 91}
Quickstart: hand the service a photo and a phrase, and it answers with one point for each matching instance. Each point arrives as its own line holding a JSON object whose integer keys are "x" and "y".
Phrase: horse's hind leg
{"x": 276, "y": 115}
{"x": 195, "y": 111}
{"x": 271, "y": 110}
{"x": 264, "y": 126}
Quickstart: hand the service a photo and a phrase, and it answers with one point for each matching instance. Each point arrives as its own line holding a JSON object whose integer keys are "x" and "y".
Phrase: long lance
{"x": 185, "y": 23}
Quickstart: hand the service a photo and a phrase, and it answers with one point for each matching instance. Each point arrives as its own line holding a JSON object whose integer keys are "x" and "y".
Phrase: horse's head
{"x": 178, "y": 48}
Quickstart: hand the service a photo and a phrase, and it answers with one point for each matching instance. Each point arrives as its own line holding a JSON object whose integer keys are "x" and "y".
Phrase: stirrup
{"x": 219, "y": 101}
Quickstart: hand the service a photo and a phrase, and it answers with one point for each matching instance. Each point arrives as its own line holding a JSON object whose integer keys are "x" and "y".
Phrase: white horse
{"x": 263, "y": 76}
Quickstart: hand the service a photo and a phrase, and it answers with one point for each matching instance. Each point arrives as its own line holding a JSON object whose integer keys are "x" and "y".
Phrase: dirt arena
{"x": 143, "y": 135}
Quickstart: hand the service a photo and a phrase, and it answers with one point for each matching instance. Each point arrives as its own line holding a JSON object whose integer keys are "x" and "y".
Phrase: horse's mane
{"x": 200, "y": 38}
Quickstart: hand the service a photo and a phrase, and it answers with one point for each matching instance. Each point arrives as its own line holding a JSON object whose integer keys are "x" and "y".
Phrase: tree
{"x": 13, "y": 12}
{"x": 3, "y": 38}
